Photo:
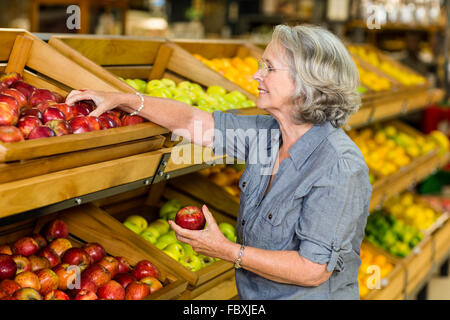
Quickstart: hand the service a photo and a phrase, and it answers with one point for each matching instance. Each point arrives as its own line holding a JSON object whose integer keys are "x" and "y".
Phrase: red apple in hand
{"x": 27, "y": 294}
{"x": 145, "y": 268}
{"x": 9, "y": 286}
{"x": 28, "y": 279}
{"x": 38, "y": 263}
{"x": 52, "y": 113}
{"x": 6, "y": 249}
{"x": 80, "y": 109}
{"x": 22, "y": 263}
{"x": 56, "y": 229}
{"x": 97, "y": 274}
{"x": 10, "y": 134}
{"x": 137, "y": 291}
{"x": 66, "y": 109}
{"x": 124, "y": 278}
{"x": 124, "y": 266}
{"x": 25, "y": 246}
{"x": 56, "y": 295}
{"x": 190, "y": 217}
{"x": 95, "y": 250}
{"x": 111, "y": 290}
{"x": 51, "y": 256}
{"x": 111, "y": 264}
{"x": 153, "y": 283}
{"x": 41, "y": 132}
{"x": 77, "y": 257}
{"x": 16, "y": 94}
{"x": 8, "y": 267}
{"x": 48, "y": 279}
{"x": 24, "y": 87}
{"x": 60, "y": 127}
{"x": 60, "y": 246}
{"x": 86, "y": 295}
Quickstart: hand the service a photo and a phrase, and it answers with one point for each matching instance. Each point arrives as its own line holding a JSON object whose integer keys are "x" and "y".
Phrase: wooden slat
{"x": 7, "y": 38}
{"x": 19, "y": 55}
{"x": 187, "y": 155}
{"x": 162, "y": 60}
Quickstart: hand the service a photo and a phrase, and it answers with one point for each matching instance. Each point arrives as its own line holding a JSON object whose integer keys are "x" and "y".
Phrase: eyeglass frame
{"x": 265, "y": 69}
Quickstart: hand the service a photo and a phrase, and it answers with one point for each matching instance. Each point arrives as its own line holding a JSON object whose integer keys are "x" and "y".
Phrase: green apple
{"x": 206, "y": 261}
{"x": 230, "y": 98}
{"x": 172, "y": 233}
{"x": 228, "y": 230}
{"x": 153, "y": 84}
{"x": 176, "y": 249}
{"x": 161, "y": 225}
{"x": 196, "y": 87}
{"x": 137, "y": 220}
{"x": 164, "y": 240}
{"x": 169, "y": 206}
{"x": 191, "y": 262}
{"x": 239, "y": 95}
{"x": 207, "y": 109}
{"x": 150, "y": 234}
{"x": 141, "y": 84}
{"x": 133, "y": 84}
{"x": 183, "y": 98}
{"x": 132, "y": 227}
{"x": 247, "y": 104}
{"x": 234, "y": 239}
{"x": 171, "y": 215}
{"x": 168, "y": 83}
{"x": 171, "y": 254}
{"x": 160, "y": 92}
{"x": 188, "y": 251}
{"x": 185, "y": 85}
{"x": 218, "y": 98}
{"x": 219, "y": 90}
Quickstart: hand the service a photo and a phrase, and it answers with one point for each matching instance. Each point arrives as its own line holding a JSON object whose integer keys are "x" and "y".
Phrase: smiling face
{"x": 277, "y": 87}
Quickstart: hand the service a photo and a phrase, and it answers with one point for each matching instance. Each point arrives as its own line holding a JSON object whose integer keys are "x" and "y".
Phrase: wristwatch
{"x": 237, "y": 262}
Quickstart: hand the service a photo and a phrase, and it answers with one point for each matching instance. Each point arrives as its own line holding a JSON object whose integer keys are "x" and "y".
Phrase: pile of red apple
{"x": 42, "y": 267}
{"x": 27, "y": 112}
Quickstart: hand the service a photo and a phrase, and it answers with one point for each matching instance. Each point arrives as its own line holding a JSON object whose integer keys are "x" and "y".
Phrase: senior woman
{"x": 303, "y": 211}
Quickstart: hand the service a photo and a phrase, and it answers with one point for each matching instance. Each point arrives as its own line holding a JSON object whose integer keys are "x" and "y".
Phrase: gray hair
{"x": 325, "y": 75}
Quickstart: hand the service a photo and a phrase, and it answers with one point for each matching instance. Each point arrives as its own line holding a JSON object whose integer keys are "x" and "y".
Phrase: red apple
{"x": 10, "y": 134}
{"x": 124, "y": 278}
{"x": 27, "y": 293}
{"x": 25, "y": 246}
{"x": 86, "y": 294}
{"x": 8, "y": 267}
{"x": 8, "y": 298}
{"x": 111, "y": 264}
{"x": 95, "y": 250}
{"x": 88, "y": 105}
{"x": 48, "y": 279}
{"x": 79, "y": 124}
{"x": 38, "y": 263}
{"x": 124, "y": 265}
{"x": 28, "y": 279}
{"x": 31, "y": 112}
{"x": 44, "y": 105}
{"x": 9, "y": 114}
{"x": 60, "y": 246}
{"x": 56, "y": 229}
{"x": 60, "y": 127}
{"x": 153, "y": 283}
{"x": 107, "y": 122}
{"x": 27, "y": 123}
{"x": 6, "y": 249}
{"x": 40, "y": 240}
{"x": 52, "y": 113}
{"x": 94, "y": 122}
{"x": 16, "y": 94}
{"x": 41, "y": 132}
{"x": 56, "y": 295}
{"x": 97, "y": 274}
{"x": 128, "y": 120}
{"x": 24, "y": 87}
{"x": 137, "y": 291}
{"x": 113, "y": 116}
{"x": 51, "y": 256}
{"x": 190, "y": 217}
{"x": 145, "y": 268}
{"x": 22, "y": 263}
{"x": 77, "y": 257}
{"x": 112, "y": 290}
{"x": 10, "y": 77}
{"x": 41, "y": 95}
{"x": 66, "y": 274}
{"x": 9, "y": 286}
{"x": 2, "y": 294}
{"x": 85, "y": 284}
{"x": 59, "y": 98}
{"x": 66, "y": 109}
{"x": 80, "y": 109}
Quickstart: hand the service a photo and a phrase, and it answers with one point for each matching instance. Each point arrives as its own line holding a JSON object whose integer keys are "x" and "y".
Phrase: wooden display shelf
{"x": 87, "y": 224}
{"x": 149, "y": 209}
{"x": 109, "y": 57}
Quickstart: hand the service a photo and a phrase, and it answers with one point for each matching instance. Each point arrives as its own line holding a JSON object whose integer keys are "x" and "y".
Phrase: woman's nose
{"x": 258, "y": 75}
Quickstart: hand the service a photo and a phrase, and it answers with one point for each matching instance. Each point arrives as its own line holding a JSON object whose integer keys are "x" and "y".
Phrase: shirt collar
{"x": 305, "y": 146}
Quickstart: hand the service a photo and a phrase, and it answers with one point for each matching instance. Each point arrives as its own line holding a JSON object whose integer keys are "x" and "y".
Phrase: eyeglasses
{"x": 266, "y": 69}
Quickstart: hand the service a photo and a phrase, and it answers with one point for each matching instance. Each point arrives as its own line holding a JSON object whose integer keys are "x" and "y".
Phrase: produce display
{"x": 369, "y": 260}
{"x": 214, "y": 98}
{"x": 159, "y": 234}
{"x": 236, "y": 69}
{"x": 372, "y": 80}
{"x": 27, "y": 113}
{"x": 386, "y": 148}
{"x": 47, "y": 266}
{"x": 226, "y": 177}
{"x": 391, "y": 234}
{"x": 404, "y": 77}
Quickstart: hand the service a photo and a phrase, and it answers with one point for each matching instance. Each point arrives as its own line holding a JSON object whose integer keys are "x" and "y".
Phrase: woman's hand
{"x": 209, "y": 241}
{"x": 104, "y": 101}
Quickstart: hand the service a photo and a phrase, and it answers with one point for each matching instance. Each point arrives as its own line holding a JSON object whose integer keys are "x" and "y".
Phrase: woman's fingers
{"x": 186, "y": 233}
{"x": 210, "y": 221}
{"x": 77, "y": 95}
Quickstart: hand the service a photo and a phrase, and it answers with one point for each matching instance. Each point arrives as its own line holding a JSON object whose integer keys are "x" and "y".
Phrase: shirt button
{"x": 243, "y": 222}
{"x": 270, "y": 216}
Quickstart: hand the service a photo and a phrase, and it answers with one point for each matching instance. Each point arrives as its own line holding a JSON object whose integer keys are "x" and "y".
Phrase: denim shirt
{"x": 317, "y": 204}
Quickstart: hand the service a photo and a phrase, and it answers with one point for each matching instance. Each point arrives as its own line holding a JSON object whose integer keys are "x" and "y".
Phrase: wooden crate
{"x": 148, "y": 207}
{"x": 88, "y": 224}
{"x": 44, "y": 67}
{"x": 418, "y": 264}
{"x": 441, "y": 239}
{"x": 139, "y": 57}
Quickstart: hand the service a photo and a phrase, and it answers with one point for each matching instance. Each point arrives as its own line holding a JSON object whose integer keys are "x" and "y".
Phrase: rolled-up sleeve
{"x": 330, "y": 213}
